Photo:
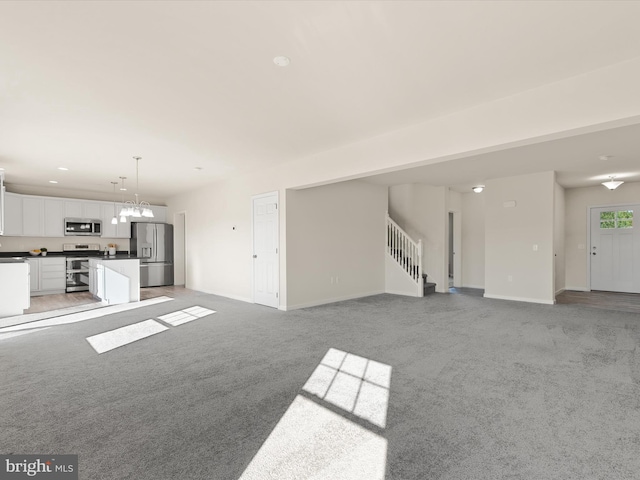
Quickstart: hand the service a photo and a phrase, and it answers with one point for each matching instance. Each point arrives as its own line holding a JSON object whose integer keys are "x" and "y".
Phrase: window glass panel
{"x": 608, "y": 224}
{"x": 607, "y": 215}
{"x": 625, "y": 223}
{"x": 625, "y": 214}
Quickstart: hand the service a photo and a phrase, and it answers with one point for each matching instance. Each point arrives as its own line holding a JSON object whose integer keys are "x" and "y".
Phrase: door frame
{"x": 182, "y": 231}
{"x": 588, "y": 245}
{"x": 253, "y": 247}
{"x": 457, "y": 248}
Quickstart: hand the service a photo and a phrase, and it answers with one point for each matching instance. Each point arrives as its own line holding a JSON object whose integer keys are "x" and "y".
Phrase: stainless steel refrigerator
{"x": 153, "y": 244}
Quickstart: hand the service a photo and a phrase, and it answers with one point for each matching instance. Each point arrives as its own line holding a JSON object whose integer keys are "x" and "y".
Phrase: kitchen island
{"x": 14, "y": 286}
{"x": 115, "y": 279}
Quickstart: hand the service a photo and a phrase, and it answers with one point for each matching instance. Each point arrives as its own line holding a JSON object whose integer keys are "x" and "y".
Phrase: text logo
{"x": 42, "y": 467}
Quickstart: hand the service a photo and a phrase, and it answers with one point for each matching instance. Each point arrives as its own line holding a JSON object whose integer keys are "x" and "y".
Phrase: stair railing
{"x": 404, "y": 250}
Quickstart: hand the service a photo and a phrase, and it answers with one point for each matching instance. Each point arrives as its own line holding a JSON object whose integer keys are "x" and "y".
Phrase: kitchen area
{"x": 52, "y": 246}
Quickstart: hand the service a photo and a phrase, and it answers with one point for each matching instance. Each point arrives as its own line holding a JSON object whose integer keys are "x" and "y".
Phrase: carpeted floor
{"x": 479, "y": 389}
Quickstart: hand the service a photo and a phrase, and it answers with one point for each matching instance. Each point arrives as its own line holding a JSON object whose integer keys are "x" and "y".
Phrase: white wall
{"x": 473, "y": 249}
{"x": 335, "y": 243}
{"x": 576, "y": 248}
{"x": 559, "y": 238}
{"x": 219, "y": 258}
{"x": 513, "y": 270}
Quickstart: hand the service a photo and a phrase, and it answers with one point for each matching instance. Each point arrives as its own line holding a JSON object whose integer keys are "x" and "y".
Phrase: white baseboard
{"x": 558, "y": 292}
{"x": 519, "y": 299}
{"x": 481, "y": 287}
{"x": 404, "y": 294}
{"x": 329, "y": 300}
{"x": 577, "y": 289}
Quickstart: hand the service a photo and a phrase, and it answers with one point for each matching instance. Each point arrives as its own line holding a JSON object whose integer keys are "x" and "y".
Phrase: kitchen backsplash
{"x": 24, "y": 244}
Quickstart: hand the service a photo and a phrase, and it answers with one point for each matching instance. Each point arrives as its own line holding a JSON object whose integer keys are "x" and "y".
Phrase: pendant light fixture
{"x": 123, "y": 218}
{"x": 114, "y": 220}
{"x": 612, "y": 184}
{"x": 136, "y": 209}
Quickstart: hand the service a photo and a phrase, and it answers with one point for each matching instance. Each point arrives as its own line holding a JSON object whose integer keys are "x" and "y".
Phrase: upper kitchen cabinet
{"x": 32, "y": 216}
{"x": 12, "y": 215}
{"x": 119, "y": 230}
{"x": 53, "y": 217}
{"x": 159, "y": 215}
{"x": 82, "y": 209}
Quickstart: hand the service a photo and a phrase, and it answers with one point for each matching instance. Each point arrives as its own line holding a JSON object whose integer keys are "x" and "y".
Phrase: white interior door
{"x": 614, "y": 249}
{"x": 265, "y": 250}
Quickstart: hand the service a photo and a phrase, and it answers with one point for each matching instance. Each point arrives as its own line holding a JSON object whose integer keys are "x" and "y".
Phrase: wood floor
{"x": 45, "y": 303}
{"x": 623, "y": 302}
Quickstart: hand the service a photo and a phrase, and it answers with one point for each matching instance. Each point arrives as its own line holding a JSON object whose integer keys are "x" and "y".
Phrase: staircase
{"x": 404, "y": 274}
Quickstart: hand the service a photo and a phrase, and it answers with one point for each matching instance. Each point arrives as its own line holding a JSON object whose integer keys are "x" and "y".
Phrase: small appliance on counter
{"x": 78, "y": 265}
{"x": 153, "y": 244}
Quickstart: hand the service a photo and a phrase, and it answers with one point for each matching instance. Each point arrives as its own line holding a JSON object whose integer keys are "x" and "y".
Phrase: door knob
{"x": 593, "y": 253}
{"x": 255, "y": 256}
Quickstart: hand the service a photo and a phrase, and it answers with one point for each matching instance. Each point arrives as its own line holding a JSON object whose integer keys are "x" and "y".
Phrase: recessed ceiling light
{"x": 281, "y": 61}
{"x": 64, "y": 169}
{"x": 53, "y": 181}
{"x": 197, "y": 168}
{"x": 604, "y": 158}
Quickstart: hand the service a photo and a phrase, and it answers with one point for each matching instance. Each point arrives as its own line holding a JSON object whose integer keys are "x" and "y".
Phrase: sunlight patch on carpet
{"x": 314, "y": 443}
{"x": 107, "y": 341}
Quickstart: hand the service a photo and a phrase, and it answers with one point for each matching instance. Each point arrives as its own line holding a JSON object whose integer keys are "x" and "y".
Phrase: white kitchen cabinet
{"x": 14, "y": 288}
{"x": 37, "y": 216}
{"x": 82, "y": 209}
{"x": 115, "y": 281}
{"x": 120, "y": 230}
{"x": 48, "y": 275}
{"x": 32, "y": 216}
{"x": 53, "y": 217}
{"x": 1, "y": 202}
{"x": 73, "y": 209}
{"x": 34, "y": 279}
{"x": 13, "y": 215}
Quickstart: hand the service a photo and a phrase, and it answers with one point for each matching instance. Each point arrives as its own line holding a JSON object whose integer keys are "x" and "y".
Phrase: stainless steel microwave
{"x": 82, "y": 226}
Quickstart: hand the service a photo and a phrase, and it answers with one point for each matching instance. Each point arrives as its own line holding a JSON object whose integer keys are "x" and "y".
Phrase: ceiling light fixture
{"x": 281, "y": 61}
{"x": 605, "y": 158}
{"x": 123, "y": 188}
{"x": 53, "y": 181}
{"x": 612, "y": 184}
{"x": 114, "y": 220}
{"x": 136, "y": 208}
{"x": 64, "y": 169}
{"x": 478, "y": 188}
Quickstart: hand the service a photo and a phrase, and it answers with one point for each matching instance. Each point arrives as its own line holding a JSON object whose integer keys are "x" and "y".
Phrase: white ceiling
{"x": 89, "y": 85}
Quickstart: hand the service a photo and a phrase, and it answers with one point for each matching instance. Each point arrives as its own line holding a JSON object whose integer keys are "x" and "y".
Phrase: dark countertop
{"x": 118, "y": 256}
{"x": 12, "y": 260}
{"x": 51, "y": 253}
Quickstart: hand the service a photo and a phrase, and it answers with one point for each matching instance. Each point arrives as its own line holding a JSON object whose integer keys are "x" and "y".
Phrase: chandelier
{"x": 136, "y": 209}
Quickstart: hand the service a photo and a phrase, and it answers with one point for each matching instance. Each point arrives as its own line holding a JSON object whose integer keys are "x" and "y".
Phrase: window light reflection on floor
{"x": 315, "y": 443}
{"x": 354, "y": 384}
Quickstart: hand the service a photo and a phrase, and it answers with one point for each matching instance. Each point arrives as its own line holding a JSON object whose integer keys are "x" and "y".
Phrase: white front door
{"x": 614, "y": 249}
{"x": 265, "y": 250}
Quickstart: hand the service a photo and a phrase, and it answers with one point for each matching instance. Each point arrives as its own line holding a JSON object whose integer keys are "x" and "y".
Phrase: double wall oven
{"x": 78, "y": 265}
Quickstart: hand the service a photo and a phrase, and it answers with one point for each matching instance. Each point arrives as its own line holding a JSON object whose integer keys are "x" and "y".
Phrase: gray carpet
{"x": 480, "y": 389}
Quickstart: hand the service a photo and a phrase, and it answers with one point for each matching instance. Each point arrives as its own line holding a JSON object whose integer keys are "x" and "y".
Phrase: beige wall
{"x": 421, "y": 210}
{"x": 513, "y": 269}
{"x": 473, "y": 249}
{"x": 578, "y": 200}
{"x": 24, "y": 244}
{"x": 335, "y": 243}
{"x": 559, "y": 238}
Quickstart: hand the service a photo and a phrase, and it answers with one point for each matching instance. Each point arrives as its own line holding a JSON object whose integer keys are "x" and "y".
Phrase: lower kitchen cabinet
{"x": 48, "y": 275}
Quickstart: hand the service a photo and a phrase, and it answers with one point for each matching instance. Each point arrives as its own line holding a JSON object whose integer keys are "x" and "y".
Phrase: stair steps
{"x": 428, "y": 287}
